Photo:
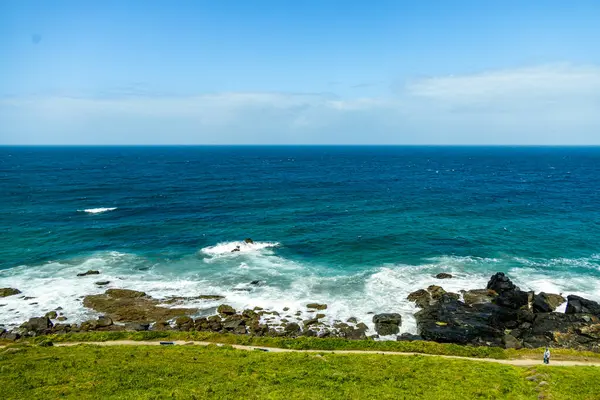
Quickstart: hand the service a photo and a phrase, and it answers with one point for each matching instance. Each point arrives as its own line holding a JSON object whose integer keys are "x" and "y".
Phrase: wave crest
{"x": 97, "y": 210}
{"x": 229, "y": 247}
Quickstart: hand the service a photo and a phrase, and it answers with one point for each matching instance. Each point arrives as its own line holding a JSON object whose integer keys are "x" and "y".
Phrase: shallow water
{"x": 357, "y": 228}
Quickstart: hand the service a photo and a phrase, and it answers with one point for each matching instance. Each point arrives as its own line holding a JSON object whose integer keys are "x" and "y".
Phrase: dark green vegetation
{"x": 188, "y": 372}
{"x": 304, "y": 343}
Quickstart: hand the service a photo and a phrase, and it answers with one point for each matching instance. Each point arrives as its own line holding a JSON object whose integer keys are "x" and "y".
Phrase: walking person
{"x": 547, "y": 356}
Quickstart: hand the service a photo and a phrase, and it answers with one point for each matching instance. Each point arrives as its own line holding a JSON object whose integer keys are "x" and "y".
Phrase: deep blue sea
{"x": 355, "y": 227}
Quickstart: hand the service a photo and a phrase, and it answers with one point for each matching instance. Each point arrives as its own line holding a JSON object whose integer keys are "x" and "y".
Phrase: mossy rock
{"x": 225, "y": 309}
{"x": 5, "y": 292}
{"x": 317, "y": 306}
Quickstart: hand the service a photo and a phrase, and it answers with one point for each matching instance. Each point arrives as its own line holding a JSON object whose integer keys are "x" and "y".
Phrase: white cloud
{"x": 546, "y": 104}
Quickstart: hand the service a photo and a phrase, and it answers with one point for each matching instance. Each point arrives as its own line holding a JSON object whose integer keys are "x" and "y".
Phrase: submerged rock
{"x": 89, "y": 272}
{"x": 248, "y": 241}
{"x": 5, "y": 292}
{"x": 443, "y": 275}
{"x": 387, "y": 324}
{"x": 317, "y": 306}
{"x": 102, "y": 283}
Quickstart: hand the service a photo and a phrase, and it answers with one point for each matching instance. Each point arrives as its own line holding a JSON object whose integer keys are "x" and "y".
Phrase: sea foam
{"x": 97, "y": 210}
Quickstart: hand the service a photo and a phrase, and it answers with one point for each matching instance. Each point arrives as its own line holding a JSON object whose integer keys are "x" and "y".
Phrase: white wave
{"x": 97, "y": 210}
{"x": 229, "y": 247}
{"x": 282, "y": 284}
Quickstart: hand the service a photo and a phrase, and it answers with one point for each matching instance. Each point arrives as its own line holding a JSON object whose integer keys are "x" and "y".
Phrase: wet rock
{"x": 387, "y": 324}
{"x": 435, "y": 291}
{"x": 319, "y": 316}
{"x": 310, "y": 322}
{"x": 102, "y": 283}
{"x": 362, "y": 326}
{"x": 236, "y": 249}
{"x": 578, "y": 305}
{"x": 89, "y": 272}
{"x": 180, "y": 299}
{"x": 250, "y": 315}
{"x": 5, "y": 292}
{"x": 286, "y": 309}
{"x": 292, "y": 329}
{"x": 225, "y": 309}
{"x": 500, "y": 283}
{"x": 408, "y": 337}
{"x": 51, "y": 315}
{"x": 61, "y": 318}
{"x": 248, "y": 241}
{"x": 184, "y": 323}
{"x": 28, "y": 298}
{"x": 125, "y": 305}
{"x": 478, "y": 296}
{"x": 352, "y": 320}
{"x": 231, "y": 324}
{"x": 317, "y": 306}
{"x": 421, "y": 297}
{"x": 37, "y": 326}
{"x": 443, "y": 275}
{"x": 242, "y": 289}
{"x": 546, "y": 302}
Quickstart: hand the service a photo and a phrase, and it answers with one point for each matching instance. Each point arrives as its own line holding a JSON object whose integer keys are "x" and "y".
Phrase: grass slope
{"x": 188, "y": 372}
{"x": 306, "y": 343}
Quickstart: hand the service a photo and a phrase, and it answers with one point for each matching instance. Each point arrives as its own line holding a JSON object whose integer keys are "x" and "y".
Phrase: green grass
{"x": 304, "y": 343}
{"x": 188, "y": 372}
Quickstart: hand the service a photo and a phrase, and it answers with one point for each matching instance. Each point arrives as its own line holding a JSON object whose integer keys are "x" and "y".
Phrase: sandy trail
{"x": 516, "y": 362}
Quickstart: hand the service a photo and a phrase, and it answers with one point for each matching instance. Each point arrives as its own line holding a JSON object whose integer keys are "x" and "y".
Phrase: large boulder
{"x": 37, "y": 326}
{"x": 125, "y": 305}
{"x": 225, "y": 310}
{"x": 514, "y": 299}
{"x": 435, "y": 291}
{"x": 452, "y": 321}
{"x": 5, "y": 292}
{"x": 579, "y": 305}
{"x": 500, "y": 283}
{"x": 387, "y": 324}
{"x": 546, "y": 302}
{"x": 562, "y": 330}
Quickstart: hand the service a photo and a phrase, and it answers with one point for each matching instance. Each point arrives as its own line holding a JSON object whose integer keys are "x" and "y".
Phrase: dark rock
{"x": 89, "y": 272}
{"x": 28, "y": 298}
{"x": 125, "y": 293}
{"x": 138, "y": 327}
{"x": 236, "y": 249}
{"x": 362, "y": 326}
{"x": 408, "y": 337}
{"x": 310, "y": 333}
{"x": 478, "y": 296}
{"x": 225, "y": 309}
{"x": 160, "y": 326}
{"x": 5, "y": 292}
{"x": 255, "y": 283}
{"x": 58, "y": 308}
{"x": 286, "y": 308}
{"x": 452, "y": 321}
{"x": 250, "y": 314}
{"x": 352, "y": 320}
{"x": 443, "y": 275}
{"x": 99, "y": 324}
{"x": 511, "y": 342}
{"x": 180, "y": 299}
{"x": 11, "y": 336}
{"x": 546, "y": 302}
{"x": 578, "y": 305}
{"x": 233, "y": 324}
{"x": 61, "y": 318}
{"x": 102, "y": 283}
{"x": 319, "y": 316}
{"x": 310, "y": 322}
{"x": 242, "y": 289}
{"x": 61, "y": 328}
{"x": 248, "y": 241}
{"x": 421, "y": 297}
{"x": 500, "y": 283}
{"x": 184, "y": 323}
{"x": 317, "y": 306}
{"x": 387, "y": 324}
{"x": 52, "y": 315}
{"x": 292, "y": 329}
{"x": 514, "y": 299}
{"x": 37, "y": 325}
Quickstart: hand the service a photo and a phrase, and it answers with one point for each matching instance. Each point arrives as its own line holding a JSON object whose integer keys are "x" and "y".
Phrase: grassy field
{"x": 197, "y": 372}
{"x": 305, "y": 343}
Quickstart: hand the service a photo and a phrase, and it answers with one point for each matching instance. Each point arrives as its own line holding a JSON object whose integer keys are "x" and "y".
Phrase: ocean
{"x": 355, "y": 227}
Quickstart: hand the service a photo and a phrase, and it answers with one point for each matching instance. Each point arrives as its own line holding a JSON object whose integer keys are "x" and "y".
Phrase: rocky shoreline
{"x": 499, "y": 315}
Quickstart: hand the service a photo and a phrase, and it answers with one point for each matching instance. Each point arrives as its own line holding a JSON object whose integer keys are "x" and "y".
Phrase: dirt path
{"x": 517, "y": 362}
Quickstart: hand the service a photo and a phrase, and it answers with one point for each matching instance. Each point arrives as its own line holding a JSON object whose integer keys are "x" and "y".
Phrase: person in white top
{"x": 547, "y": 356}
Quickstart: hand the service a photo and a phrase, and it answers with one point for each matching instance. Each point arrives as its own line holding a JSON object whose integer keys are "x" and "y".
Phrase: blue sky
{"x": 282, "y": 72}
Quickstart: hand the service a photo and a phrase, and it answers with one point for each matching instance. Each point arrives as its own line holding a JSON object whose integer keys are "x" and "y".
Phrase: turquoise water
{"x": 356, "y": 227}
